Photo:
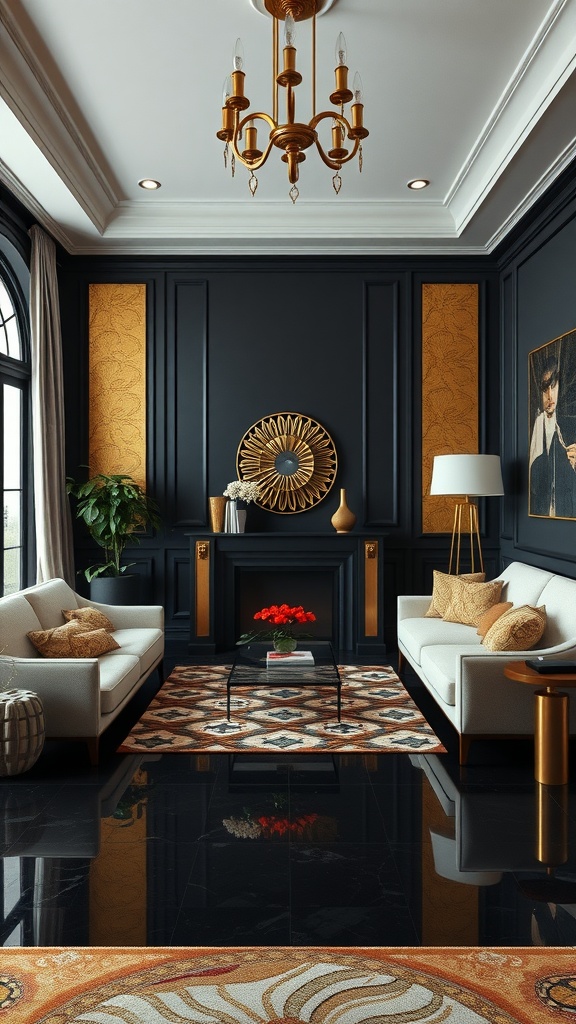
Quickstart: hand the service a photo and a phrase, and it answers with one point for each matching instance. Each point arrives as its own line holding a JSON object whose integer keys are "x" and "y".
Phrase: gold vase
{"x": 217, "y": 509}
{"x": 343, "y": 519}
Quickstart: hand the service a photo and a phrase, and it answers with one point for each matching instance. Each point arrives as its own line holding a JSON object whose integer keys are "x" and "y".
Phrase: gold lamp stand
{"x": 465, "y": 521}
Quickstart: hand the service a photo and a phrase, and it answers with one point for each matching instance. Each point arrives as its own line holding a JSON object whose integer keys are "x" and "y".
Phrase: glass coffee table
{"x": 249, "y": 669}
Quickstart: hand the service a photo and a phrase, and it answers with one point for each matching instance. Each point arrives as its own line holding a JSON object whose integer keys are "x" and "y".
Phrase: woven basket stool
{"x": 21, "y": 731}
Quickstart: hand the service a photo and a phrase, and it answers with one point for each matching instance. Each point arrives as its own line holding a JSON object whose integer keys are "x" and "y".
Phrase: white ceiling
{"x": 479, "y": 96}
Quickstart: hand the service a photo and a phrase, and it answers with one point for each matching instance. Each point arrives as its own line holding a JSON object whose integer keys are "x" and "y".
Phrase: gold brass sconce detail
{"x": 293, "y": 460}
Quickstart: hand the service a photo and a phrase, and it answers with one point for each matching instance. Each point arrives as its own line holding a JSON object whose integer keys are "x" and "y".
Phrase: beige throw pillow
{"x": 493, "y": 613}
{"x": 469, "y": 601}
{"x": 90, "y": 618}
{"x": 72, "y": 641}
{"x": 517, "y": 630}
{"x": 442, "y": 590}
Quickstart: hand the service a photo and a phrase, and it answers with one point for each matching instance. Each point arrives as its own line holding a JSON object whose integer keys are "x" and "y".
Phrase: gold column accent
{"x": 202, "y": 585}
{"x": 450, "y": 381}
{"x": 117, "y": 379}
{"x": 371, "y": 562}
{"x": 551, "y": 737}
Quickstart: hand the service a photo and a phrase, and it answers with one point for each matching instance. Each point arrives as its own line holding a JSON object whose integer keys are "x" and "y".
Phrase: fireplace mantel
{"x": 341, "y": 572}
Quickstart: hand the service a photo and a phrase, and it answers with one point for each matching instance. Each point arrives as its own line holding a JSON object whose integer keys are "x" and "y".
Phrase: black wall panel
{"x": 185, "y": 409}
{"x": 538, "y": 301}
{"x": 233, "y": 340}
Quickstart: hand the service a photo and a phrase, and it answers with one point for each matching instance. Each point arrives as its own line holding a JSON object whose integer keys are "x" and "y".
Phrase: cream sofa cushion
{"x": 416, "y": 634}
{"x": 17, "y": 619}
{"x": 49, "y": 599}
{"x": 145, "y": 644}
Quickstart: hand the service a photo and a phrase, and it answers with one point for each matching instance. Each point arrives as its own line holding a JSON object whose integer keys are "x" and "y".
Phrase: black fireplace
{"x": 337, "y": 576}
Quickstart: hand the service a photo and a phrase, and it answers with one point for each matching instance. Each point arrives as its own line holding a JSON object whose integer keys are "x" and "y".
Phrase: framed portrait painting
{"x": 552, "y": 441}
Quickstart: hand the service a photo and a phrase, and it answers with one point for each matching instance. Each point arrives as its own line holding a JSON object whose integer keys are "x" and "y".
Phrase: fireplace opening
{"x": 313, "y": 589}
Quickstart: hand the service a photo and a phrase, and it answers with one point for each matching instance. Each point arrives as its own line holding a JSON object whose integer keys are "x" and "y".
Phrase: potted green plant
{"x": 114, "y": 508}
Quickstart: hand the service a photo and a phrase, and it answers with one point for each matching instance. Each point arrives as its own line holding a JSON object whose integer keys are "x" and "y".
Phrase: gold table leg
{"x": 551, "y": 737}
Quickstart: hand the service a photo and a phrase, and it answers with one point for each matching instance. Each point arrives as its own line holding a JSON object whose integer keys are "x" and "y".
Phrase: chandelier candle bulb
{"x": 289, "y": 31}
{"x": 238, "y": 60}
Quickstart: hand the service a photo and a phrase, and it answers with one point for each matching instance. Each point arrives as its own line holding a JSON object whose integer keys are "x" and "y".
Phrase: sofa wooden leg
{"x": 464, "y": 748}
{"x": 93, "y": 743}
{"x": 400, "y": 661}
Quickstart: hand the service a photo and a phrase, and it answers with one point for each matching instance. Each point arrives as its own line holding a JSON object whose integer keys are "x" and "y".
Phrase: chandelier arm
{"x": 252, "y": 165}
{"x": 334, "y": 115}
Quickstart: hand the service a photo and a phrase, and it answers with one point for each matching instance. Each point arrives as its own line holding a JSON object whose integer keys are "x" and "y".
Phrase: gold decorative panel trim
{"x": 450, "y": 378}
{"x": 371, "y": 588}
{"x": 117, "y": 380}
{"x": 202, "y": 586}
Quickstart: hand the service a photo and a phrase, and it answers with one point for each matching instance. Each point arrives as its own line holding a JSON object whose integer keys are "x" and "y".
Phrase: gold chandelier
{"x": 293, "y": 137}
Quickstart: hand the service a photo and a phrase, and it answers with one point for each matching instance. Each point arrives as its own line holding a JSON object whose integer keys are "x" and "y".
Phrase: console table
{"x": 337, "y": 576}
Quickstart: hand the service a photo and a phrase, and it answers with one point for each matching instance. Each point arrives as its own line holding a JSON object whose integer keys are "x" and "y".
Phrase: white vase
{"x": 231, "y": 517}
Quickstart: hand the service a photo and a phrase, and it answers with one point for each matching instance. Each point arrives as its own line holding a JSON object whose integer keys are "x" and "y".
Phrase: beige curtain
{"x": 54, "y": 545}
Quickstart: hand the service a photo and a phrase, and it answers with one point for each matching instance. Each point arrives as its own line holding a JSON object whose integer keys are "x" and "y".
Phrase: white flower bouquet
{"x": 242, "y": 490}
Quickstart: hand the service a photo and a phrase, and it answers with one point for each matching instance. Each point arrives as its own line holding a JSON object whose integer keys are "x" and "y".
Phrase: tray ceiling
{"x": 479, "y": 96}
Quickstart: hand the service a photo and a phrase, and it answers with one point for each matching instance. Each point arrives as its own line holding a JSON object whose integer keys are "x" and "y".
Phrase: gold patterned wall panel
{"x": 117, "y": 379}
{"x": 450, "y": 377}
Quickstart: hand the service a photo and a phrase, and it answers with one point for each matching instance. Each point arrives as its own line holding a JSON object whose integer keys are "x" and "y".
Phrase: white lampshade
{"x": 473, "y": 475}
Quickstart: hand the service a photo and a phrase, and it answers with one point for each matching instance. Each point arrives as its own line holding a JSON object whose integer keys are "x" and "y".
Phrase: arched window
{"x": 14, "y": 419}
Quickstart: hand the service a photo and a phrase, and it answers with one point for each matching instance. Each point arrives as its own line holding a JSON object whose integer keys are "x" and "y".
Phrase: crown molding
{"x": 538, "y": 80}
{"x": 45, "y": 117}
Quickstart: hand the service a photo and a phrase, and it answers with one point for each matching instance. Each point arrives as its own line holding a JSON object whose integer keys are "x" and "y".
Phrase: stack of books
{"x": 289, "y": 660}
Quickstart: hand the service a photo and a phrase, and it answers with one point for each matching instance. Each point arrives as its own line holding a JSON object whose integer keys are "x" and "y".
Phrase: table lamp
{"x": 471, "y": 476}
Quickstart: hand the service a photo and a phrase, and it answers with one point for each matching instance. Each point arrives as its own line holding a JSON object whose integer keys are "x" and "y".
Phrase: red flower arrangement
{"x": 279, "y": 618}
{"x": 270, "y": 824}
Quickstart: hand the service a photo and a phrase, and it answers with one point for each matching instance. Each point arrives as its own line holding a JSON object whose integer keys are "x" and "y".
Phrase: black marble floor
{"x": 345, "y": 851}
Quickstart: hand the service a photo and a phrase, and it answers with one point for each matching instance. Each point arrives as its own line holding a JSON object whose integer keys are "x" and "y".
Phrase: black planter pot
{"x": 126, "y": 589}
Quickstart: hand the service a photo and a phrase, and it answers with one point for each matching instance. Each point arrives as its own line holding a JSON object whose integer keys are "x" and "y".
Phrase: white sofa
{"x": 467, "y": 680}
{"x": 80, "y": 696}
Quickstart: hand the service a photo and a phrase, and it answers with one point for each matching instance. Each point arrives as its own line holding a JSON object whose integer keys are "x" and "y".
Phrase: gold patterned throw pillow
{"x": 442, "y": 590}
{"x": 469, "y": 601}
{"x": 72, "y": 640}
{"x": 493, "y": 613}
{"x": 90, "y": 618}
{"x": 517, "y": 630}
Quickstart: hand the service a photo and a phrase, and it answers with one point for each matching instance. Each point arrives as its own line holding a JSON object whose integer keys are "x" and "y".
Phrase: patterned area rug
{"x": 249, "y": 985}
{"x": 188, "y": 715}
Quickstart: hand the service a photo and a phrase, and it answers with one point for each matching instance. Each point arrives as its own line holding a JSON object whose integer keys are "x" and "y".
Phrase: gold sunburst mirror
{"x": 292, "y": 458}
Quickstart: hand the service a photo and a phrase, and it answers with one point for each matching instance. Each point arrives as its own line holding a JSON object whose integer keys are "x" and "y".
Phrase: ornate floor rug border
{"x": 188, "y": 715}
{"x": 288, "y": 985}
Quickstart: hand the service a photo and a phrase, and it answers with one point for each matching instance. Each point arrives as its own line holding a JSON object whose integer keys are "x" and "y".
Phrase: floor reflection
{"x": 351, "y": 850}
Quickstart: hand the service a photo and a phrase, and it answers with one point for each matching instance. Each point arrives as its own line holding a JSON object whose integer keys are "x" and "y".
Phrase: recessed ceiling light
{"x": 418, "y": 183}
{"x": 149, "y": 183}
